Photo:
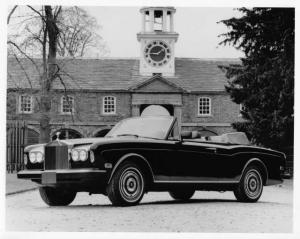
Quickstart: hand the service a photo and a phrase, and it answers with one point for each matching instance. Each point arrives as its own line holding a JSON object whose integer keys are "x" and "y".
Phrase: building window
{"x": 25, "y": 104}
{"x": 204, "y": 106}
{"x": 109, "y": 105}
{"x": 242, "y": 109}
{"x": 67, "y": 104}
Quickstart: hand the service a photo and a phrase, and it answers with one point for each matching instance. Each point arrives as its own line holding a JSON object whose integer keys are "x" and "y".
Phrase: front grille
{"x": 56, "y": 157}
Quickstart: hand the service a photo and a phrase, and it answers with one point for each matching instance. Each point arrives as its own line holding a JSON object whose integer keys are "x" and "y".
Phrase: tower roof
{"x": 172, "y": 9}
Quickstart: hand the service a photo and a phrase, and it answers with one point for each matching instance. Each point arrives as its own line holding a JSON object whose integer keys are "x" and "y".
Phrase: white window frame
{"x": 198, "y": 110}
{"x": 20, "y": 104}
{"x": 62, "y": 104}
{"x": 114, "y": 104}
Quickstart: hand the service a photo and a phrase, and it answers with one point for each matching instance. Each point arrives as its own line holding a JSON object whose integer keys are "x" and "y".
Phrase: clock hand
{"x": 154, "y": 53}
{"x": 162, "y": 50}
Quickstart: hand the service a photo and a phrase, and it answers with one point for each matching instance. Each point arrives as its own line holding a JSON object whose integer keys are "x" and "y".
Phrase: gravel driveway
{"x": 205, "y": 212}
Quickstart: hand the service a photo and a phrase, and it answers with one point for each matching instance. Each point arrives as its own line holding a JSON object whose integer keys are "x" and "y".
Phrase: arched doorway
{"x": 102, "y": 132}
{"x": 155, "y": 110}
{"x": 67, "y": 134}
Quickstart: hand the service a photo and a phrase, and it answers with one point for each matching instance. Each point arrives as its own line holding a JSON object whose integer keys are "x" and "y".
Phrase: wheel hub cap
{"x": 253, "y": 184}
{"x": 131, "y": 185}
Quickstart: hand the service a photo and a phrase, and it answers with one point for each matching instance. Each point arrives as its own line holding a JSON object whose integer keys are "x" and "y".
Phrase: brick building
{"x": 97, "y": 93}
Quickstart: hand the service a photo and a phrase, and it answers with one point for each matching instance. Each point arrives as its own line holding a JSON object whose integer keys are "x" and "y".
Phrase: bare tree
{"x": 41, "y": 35}
{"x": 78, "y": 34}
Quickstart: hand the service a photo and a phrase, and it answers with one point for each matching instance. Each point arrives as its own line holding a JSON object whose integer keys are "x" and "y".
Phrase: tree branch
{"x": 23, "y": 53}
{"x": 11, "y": 13}
{"x": 37, "y": 12}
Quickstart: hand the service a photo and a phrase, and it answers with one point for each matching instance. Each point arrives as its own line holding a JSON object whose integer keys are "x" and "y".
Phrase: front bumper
{"x": 64, "y": 176}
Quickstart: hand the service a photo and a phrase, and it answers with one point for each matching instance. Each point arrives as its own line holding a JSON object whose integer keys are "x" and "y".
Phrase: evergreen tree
{"x": 263, "y": 82}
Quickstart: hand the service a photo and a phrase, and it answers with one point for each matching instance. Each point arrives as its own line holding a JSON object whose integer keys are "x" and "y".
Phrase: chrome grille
{"x": 56, "y": 157}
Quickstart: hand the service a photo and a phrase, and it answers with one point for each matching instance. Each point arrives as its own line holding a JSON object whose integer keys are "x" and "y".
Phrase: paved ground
{"x": 206, "y": 212}
{"x": 14, "y": 185}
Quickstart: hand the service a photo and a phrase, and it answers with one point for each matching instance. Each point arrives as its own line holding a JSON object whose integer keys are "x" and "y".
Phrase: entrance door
{"x": 156, "y": 110}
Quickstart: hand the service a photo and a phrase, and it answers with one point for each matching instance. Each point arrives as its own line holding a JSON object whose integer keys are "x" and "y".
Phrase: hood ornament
{"x": 57, "y": 136}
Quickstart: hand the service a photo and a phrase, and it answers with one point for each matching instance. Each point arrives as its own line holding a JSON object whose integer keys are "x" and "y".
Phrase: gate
{"x": 15, "y": 143}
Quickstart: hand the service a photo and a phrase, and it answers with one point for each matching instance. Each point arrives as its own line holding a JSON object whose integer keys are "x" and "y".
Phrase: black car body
{"x": 145, "y": 154}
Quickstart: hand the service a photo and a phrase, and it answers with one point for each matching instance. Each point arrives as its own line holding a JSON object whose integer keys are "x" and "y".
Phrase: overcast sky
{"x": 197, "y": 27}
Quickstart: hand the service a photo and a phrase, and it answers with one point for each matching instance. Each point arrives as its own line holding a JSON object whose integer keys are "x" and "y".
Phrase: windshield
{"x": 149, "y": 127}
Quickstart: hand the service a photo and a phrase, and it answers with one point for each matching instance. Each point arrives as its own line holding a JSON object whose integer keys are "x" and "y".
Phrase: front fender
{"x": 136, "y": 158}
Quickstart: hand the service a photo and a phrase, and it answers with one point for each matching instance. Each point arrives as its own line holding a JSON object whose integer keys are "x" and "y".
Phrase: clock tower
{"x": 157, "y": 40}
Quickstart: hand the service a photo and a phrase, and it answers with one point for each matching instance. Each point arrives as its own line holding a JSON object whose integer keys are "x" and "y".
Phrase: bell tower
{"x": 157, "y": 39}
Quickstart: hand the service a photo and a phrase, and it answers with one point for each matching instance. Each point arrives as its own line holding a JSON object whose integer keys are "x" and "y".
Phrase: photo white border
{"x": 177, "y": 3}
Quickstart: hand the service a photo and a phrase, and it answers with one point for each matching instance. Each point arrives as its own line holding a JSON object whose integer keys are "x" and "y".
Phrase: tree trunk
{"x": 48, "y": 76}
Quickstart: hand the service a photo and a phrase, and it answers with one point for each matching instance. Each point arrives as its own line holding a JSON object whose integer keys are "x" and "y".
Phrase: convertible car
{"x": 144, "y": 154}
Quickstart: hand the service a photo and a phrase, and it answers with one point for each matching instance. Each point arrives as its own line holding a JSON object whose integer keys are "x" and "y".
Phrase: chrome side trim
{"x": 203, "y": 182}
{"x": 84, "y": 170}
{"x": 182, "y": 179}
{"x": 258, "y": 160}
{"x": 123, "y": 158}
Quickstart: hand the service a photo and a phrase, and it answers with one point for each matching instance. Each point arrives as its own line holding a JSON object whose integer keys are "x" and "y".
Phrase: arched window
{"x": 102, "y": 132}
{"x": 109, "y": 105}
{"x": 204, "y": 106}
{"x": 67, "y": 104}
{"x": 67, "y": 134}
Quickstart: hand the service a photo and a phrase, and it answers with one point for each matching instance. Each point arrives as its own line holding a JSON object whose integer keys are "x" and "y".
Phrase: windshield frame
{"x": 168, "y": 131}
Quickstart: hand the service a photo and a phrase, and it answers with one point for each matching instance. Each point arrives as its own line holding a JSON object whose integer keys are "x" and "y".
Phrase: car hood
{"x": 70, "y": 142}
{"x": 83, "y": 143}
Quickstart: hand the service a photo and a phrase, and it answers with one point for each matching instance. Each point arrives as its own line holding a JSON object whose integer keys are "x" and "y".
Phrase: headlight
{"x": 39, "y": 157}
{"x": 32, "y": 157}
{"x": 92, "y": 157}
{"x": 35, "y": 157}
{"x": 25, "y": 159}
{"x": 79, "y": 155}
{"x": 75, "y": 155}
{"x": 82, "y": 155}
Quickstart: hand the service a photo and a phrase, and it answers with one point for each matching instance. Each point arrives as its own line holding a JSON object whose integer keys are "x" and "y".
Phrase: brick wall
{"x": 223, "y": 109}
{"x": 88, "y": 117}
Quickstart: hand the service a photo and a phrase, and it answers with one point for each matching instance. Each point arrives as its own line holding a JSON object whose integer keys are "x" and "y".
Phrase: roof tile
{"x": 118, "y": 74}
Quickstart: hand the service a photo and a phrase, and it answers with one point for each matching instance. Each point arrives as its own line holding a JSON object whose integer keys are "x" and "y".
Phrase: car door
{"x": 202, "y": 162}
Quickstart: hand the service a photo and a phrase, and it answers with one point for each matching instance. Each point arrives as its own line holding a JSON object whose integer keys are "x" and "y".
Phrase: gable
{"x": 157, "y": 84}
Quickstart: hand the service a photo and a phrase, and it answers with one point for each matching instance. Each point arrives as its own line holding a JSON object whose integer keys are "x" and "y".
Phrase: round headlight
{"x": 92, "y": 157}
{"x": 39, "y": 157}
{"x": 82, "y": 155}
{"x": 32, "y": 157}
{"x": 75, "y": 155}
{"x": 25, "y": 159}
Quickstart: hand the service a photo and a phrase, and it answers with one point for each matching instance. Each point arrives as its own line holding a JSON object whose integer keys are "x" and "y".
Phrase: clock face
{"x": 157, "y": 53}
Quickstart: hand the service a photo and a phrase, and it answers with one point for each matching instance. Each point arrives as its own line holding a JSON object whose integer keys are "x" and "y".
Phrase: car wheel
{"x": 127, "y": 186}
{"x": 182, "y": 194}
{"x": 250, "y": 186}
{"x": 57, "y": 196}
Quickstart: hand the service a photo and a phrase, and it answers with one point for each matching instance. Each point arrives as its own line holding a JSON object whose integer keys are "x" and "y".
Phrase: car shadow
{"x": 166, "y": 202}
{"x": 190, "y": 201}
